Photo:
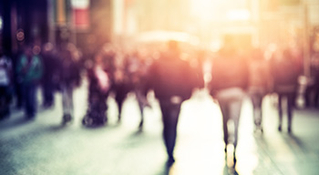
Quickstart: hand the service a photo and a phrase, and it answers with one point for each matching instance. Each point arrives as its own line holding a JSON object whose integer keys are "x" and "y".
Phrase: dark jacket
{"x": 170, "y": 76}
{"x": 50, "y": 67}
{"x": 259, "y": 75}
{"x": 229, "y": 71}
{"x": 285, "y": 74}
{"x": 69, "y": 72}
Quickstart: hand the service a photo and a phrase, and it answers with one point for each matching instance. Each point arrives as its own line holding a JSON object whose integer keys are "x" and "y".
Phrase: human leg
{"x": 280, "y": 96}
{"x": 225, "y": 115}
{"x": 256, "y": 99}
{"x": 30, "y": 100}
{"x": 48, "y": 94}
{"x": 67, "y": 102}
{"x": 170, "y": 115}
{"x": 235, "y": 109}
{"x": 290, "y": 105}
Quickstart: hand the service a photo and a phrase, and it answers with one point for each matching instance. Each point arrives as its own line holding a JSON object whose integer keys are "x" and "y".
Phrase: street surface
{"x": 43, "y": 146}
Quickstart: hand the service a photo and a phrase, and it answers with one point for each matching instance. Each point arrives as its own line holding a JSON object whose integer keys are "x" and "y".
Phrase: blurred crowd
{"x": 173, "y": 74}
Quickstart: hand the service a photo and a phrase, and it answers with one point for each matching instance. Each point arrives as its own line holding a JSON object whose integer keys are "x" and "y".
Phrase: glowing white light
{"x": 80, "y": 4}
{"x": 241, "y": 14}
{"x": 202, "y": 9}
{"x": 0, "y": 23}
{"x": 118, "y": 6}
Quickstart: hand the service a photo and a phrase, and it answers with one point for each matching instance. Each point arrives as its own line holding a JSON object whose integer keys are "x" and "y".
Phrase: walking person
{"x": 18, "y": 88}
{"x": 173, "y": 81}
{"x": 50, "y": 66}
{"x": 136, "y": 65}
{"x": 259, "y": 85}
{"x": 99, "y": 89}
{"x": 29, "y": 70}
{"x": 69, "y": 78}
{"x": 312, "y": 89}
{"x": 228, "y": 85}
{"x": 285, "y": 72}
{"x": 6, "y": 75}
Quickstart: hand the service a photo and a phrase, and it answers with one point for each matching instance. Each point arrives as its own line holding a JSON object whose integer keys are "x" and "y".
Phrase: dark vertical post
{"x": 6, "y": 36}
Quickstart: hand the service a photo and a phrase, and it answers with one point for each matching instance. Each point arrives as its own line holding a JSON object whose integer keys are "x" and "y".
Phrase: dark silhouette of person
{"x": 29, "y": 69}
{"x": 312, "y": 90}
{"x": 285, "y": 72}
{"x": 173, "y": 81}
{"x": 99, "y": 89}
{"x": 228, "y": 85}
{"x": 50, "y": 68}
{"x": 69, "y": 79}
{"x": 122, "y": 84}
{"x": 259, "y": 84}
{"x": 6, "y": 84}
{"x": 17, "y": 80}
{"x": 132, "y": 71}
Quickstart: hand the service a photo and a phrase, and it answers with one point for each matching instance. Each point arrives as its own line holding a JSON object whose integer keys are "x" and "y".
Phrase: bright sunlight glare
{"x": 241, "y": 14}
{"x": 202, "y": 9}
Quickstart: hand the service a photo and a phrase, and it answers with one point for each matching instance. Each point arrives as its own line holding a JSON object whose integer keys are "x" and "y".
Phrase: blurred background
{"x": 250, "y": 22}
{"x": 46, "y": 147}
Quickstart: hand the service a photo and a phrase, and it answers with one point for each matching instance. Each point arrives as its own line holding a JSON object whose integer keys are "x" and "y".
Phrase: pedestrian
{"x": 122, "y": 82}
{"x": 18, "y": 88}
{"x": 6, "y": 88}
{"x": 284, "y": 72}
{"x": 50, "y": 67}
{"x": 69, "y": 78}
{"x": 135, "y": 69}
{"x": 173, "y": 81}
{"x": 99, "y": 89}
{"x": 138, "y": 74}
{"x": 312, "y": 89}
{"x": 259, "y": 85}
{"x": 228, "y": 85}
{"x": 29, "y": 70}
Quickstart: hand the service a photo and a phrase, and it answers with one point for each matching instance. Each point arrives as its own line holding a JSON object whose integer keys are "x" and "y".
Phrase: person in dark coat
{"x": 285, "y": 72}
{"x": 259, "y": 85}
{"x": 312, "y": 90}
{"x": 131, "y": 79}
{"x": 50, "y": 67}
{"x": 228, "y": 86}
{"x": 173, "y": 81}
{"x": 69, "y": 78}
{"x": 6, "y": 88}
{"x": 99, "y": 89}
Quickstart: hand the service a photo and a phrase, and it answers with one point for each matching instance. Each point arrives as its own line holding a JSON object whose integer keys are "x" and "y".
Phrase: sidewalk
{"x": 44, "y": 147}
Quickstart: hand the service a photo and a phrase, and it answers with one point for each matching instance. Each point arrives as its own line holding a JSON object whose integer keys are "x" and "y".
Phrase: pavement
{"x": 44, "y": 146}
